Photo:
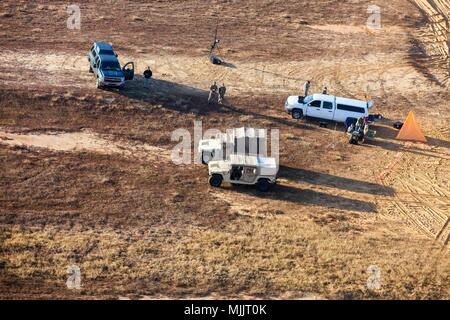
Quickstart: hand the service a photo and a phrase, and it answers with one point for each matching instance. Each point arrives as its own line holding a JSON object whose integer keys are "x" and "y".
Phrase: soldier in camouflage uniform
{"x": 212, "y": 92}
{"x": 222, "y": 91}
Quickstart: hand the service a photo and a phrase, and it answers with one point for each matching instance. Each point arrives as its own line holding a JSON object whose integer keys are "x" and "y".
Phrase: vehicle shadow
{"x": 170, "y": 95}
{"x": 328, "y": 124}
{"x": 309, "y": 197}
{"x": 329, "y": 180}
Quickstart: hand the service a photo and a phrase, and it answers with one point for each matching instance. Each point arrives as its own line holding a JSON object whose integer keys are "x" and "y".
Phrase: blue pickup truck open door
{"x": 128, "y": 70}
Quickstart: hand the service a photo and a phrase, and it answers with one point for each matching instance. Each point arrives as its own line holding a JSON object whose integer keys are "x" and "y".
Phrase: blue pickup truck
{"x": 103, "y": 62}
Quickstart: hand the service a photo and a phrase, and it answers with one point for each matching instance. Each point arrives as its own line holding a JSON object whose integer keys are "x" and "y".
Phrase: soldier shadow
{"x": 169, "y": 95}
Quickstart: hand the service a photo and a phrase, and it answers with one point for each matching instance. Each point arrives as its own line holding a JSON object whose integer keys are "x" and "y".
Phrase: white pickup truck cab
{"x": 327, "y": 107}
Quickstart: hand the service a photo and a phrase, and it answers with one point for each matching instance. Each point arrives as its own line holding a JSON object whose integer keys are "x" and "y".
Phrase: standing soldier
{"x": 147, "y": 75}
{"x": 306, "y": 87}
{"x": 212, "y": 92}
{"x": 325, "y": 90}
{"x": 222, "y": 91}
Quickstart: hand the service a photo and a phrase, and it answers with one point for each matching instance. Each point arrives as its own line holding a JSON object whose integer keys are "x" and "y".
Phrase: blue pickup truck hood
{"x": 112, "y": 73}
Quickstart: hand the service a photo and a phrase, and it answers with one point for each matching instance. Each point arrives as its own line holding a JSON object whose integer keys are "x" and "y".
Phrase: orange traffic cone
{"x": 410, "y": 130}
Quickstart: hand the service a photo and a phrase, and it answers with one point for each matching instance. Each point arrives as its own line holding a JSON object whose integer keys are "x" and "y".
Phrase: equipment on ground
{"x": 214, "y": 58}
{"x": 374, "y": 117}
{"x": 243, "y": 169}
{"x": 359, "y": 130}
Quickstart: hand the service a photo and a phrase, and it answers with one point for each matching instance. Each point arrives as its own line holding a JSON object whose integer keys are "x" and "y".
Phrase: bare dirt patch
{"x": 82, "y": 142}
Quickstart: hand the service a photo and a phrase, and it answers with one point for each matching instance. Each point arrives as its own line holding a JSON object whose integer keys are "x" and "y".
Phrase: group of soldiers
{"x": 307, "y": 85}
{"x": 216, "y": 93}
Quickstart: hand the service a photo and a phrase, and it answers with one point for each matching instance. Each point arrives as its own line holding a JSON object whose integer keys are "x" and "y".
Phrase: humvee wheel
{"x": 263, "y": 185}
{"x": 297, "y": 114}
{"x": 215, "y": 180}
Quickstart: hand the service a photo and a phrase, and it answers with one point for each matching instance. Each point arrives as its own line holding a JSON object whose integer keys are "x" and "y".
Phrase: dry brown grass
{"x": 137, "y": 227}
{"x": 254, "y": 257}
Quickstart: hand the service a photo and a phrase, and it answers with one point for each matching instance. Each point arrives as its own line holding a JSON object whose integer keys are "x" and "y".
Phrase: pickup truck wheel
{"x": 263, "y": 185}
{"x": 297, "y": 113}
{"x": 215, "y": 180}
{"x": 90, "y": 69}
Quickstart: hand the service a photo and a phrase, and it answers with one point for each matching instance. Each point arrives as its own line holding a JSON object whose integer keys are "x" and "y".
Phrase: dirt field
{"x": 87, "y": 179}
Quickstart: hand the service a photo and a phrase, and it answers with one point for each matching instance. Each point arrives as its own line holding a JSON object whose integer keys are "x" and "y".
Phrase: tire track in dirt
{"x": 444, "y": 235}
{"x": 419, "y": 199}
{"x": 437, "y": 13}
{"x": 436, "y": 39}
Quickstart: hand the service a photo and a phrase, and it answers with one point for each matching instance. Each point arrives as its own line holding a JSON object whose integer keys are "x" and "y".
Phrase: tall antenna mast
{"x": 216, "y": 41}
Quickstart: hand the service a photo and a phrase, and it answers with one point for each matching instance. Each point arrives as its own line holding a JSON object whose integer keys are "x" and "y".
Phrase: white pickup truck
{"x": 327, "y": 107}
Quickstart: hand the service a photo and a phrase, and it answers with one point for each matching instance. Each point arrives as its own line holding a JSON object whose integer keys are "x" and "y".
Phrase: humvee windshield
{"x": 110, "y": 65}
